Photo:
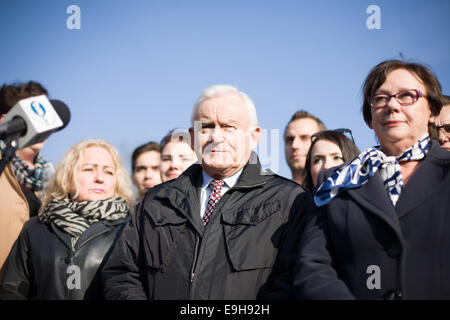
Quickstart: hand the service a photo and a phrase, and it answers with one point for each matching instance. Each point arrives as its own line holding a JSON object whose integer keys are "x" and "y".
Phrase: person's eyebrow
{"x": 385, "y": 91}
{"x": 228, "y": 121}
{"x": 96, "y": 165}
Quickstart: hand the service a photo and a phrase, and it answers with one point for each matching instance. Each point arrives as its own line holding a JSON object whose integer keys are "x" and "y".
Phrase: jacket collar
{"x": 184, "y": 192}
{"x": 373, "y": 196}
{"x": 252, "y": 174}
{"x": 427, "y": 180}
{"x": 93, "y": 231}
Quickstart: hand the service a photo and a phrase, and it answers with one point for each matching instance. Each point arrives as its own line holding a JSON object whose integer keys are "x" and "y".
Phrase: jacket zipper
{"x": 93, "y": 236}
{"x": 197, "y": 239}
{"x": 197, "y": 242}
{"x": 72, "y": 253}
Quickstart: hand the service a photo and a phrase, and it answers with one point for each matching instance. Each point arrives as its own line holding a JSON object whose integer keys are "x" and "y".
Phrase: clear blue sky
{"x": 135, "y": 68}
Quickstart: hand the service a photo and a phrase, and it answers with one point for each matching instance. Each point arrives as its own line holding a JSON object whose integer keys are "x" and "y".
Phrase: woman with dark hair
{"x": 176, "y": 154}
{"x": 328, "y": 149}
{"x": 380, "y": 226}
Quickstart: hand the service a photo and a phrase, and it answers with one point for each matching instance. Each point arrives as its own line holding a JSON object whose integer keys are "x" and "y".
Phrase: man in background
{"x": 297, "y": 140}
{"x": 443, "y": 123}
{"x": 145, "y": 165}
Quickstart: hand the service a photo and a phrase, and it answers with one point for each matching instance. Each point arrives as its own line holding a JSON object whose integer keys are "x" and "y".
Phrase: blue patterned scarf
{"x": 31, "y": 178}
{"x": 357, "y": 172}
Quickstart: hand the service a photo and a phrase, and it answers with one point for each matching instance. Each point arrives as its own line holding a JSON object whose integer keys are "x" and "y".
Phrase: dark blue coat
{"x": 360, "y": 246}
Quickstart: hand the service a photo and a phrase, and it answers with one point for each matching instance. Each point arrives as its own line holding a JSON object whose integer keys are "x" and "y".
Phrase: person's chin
{"x": 393, "y": 133}
{"x": 219, "y": 160}
{"x": 147, "y": 186}
{"x": 217, "y": 165}
{"x": 298, "y": 164}
{"x": 171, "y": 176}
{"x": 37, "y": 147}
{"x": 94, "y": 198}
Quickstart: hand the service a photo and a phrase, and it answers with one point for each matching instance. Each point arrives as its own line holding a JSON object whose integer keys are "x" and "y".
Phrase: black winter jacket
{"x": 43, "y": 265}
{"x": 166, "y": 253}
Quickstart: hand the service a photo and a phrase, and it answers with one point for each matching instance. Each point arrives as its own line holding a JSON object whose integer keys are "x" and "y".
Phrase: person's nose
{"x": 175, "y": 163}
{"x": 297, "y": 143}
{"x": 392, "y": 105}
{"x": 327, "y": 164}
{"x": 443, "y": 137}
{"x": 148, "y": 173}
{"x": 217, "y": 135}
{"x": 99, "y": 176}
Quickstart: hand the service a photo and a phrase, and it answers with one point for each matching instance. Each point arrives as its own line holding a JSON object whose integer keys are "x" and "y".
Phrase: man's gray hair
{"x": 219, "y": 89}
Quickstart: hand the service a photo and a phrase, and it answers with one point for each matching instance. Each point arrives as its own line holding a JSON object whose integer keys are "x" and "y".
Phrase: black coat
{"x": 39, "y": 264}
{"x": 360, "y": 246}
{"x": 166, "y": 253}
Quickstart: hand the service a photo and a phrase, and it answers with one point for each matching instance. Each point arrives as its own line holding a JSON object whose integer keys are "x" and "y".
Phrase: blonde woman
{"x": 59, "y": 253}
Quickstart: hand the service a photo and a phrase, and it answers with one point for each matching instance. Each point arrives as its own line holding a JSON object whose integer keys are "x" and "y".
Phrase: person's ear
{"x": 2, "y": 117}
{"x": 255, "y": 136}
{"x": 432, "y": 119}
{"x": 191, "y": 132}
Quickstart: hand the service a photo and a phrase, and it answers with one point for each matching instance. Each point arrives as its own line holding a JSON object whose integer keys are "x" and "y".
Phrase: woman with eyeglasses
{"x": 328, "y": 149}
{"x": 380, "y": 227}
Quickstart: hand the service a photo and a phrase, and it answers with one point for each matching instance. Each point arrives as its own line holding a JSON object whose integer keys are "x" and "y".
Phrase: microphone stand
{"x": 8, "y": 154}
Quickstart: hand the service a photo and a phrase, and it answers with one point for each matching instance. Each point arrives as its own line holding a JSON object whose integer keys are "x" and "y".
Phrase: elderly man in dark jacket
{"x": 220, "y": 230}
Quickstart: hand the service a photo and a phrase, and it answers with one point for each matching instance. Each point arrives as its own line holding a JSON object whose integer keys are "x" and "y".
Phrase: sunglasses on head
{"x": 340, "y": 130}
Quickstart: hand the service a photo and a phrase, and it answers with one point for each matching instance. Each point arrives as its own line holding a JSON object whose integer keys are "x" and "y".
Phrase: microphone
{"x": 33, "y": 119}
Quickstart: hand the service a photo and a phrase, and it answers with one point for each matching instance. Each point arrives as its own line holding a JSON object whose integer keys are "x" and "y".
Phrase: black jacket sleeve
{"x": 279, "y": 285}
{"x": 122, "y": 274}
{"x": 15, "y": 273}
{"x": 314, "y": 275}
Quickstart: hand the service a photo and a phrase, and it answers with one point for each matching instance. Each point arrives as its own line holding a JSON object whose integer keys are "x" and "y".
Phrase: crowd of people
{"x": 208, "y": 223}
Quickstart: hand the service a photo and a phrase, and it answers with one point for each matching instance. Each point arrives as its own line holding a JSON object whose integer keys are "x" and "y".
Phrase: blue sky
{"x": 135, "y": 68}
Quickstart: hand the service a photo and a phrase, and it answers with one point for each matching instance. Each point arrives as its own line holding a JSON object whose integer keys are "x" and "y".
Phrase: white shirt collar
{"x": 229, "y": 181}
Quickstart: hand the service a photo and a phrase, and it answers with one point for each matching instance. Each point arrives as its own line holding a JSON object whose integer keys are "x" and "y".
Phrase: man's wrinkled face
{"x": 224, "y": 135}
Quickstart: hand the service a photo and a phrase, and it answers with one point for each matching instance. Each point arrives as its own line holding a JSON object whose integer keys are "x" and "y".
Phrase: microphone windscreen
{"x": 63, "y": 112}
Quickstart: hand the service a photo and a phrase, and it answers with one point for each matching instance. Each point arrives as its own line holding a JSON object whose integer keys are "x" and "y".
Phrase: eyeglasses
{"x": 340, "y": 130}
{"x": 446, "y": 128}
{"x": 404, "y": 98}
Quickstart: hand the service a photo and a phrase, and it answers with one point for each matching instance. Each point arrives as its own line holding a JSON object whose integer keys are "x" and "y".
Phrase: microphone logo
{"x": 41, "y": 114}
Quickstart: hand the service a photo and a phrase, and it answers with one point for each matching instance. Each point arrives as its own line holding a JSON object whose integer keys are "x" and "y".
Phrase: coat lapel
{"x": 426, "y": 181}
{"x": 374, "y": 198}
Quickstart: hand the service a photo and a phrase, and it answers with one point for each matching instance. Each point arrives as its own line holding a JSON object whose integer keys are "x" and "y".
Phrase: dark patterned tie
{"x": 216, "y": 186}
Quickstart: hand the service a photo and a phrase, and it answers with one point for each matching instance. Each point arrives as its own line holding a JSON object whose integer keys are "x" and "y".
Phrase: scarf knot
{"x": 75, "y": 217}
{"x": 358, "y": 171}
